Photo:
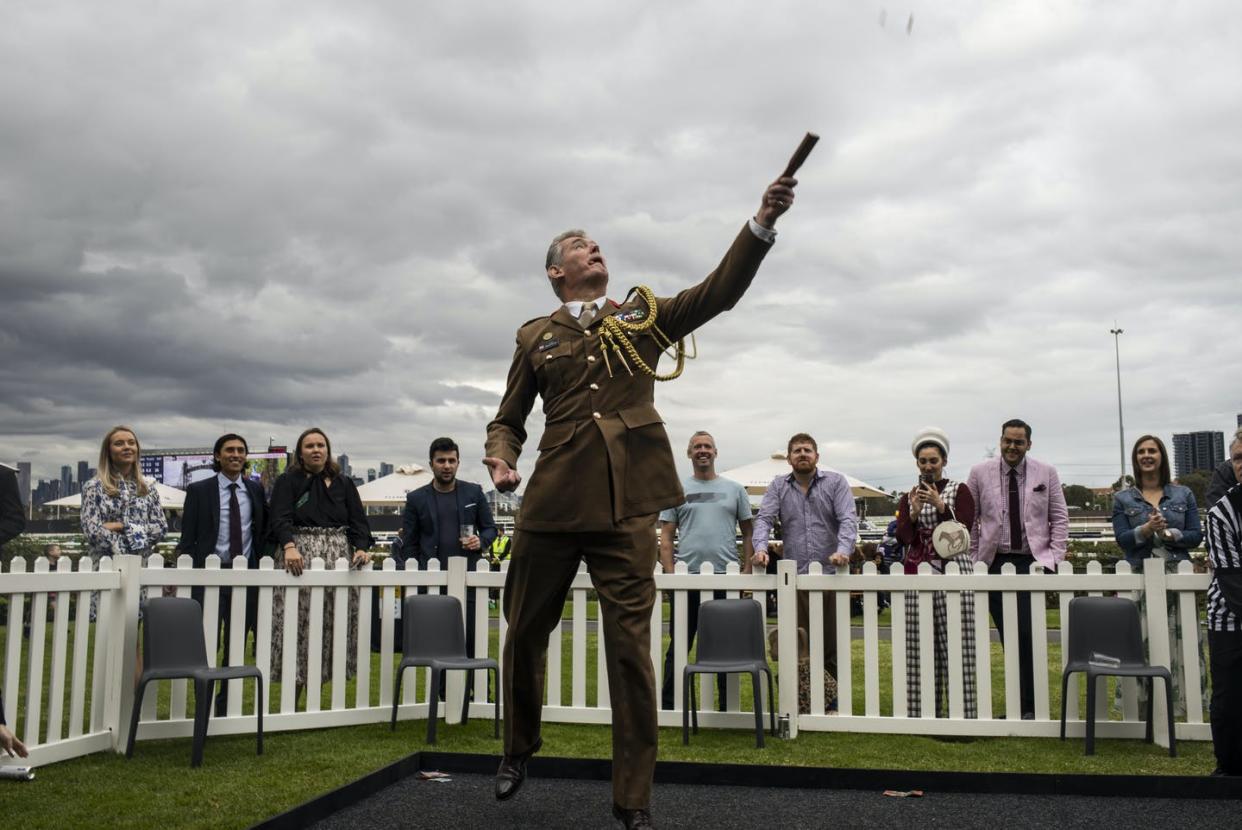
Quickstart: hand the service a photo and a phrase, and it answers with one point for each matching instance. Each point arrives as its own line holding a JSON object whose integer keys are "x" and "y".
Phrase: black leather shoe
{"x": 633, "y": 818}
{"x": 512, "y": 773}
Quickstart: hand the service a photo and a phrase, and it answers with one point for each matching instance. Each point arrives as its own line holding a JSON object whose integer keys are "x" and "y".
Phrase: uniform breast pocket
{"x": 554, "y": 368}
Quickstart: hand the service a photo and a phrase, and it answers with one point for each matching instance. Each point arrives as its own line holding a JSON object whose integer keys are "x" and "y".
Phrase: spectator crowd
{"x": 1008, "y": 510}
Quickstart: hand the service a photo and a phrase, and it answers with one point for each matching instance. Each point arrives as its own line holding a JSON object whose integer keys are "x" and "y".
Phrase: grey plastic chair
{"x": 1109, "y": 627}
{"x": 730, "y": 642}
{"x": 173, "y": 647}
{"x": 435, "y": 637}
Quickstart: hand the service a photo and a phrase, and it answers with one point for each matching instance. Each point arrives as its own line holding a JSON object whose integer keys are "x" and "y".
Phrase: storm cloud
{"x": 260, "y": 217}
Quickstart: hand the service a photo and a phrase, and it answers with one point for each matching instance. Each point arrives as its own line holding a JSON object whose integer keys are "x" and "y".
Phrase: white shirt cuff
{"x": 766, "y": 234}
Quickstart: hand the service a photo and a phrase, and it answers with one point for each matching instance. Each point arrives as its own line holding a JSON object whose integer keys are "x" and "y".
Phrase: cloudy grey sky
{"x": 262, "y": 216}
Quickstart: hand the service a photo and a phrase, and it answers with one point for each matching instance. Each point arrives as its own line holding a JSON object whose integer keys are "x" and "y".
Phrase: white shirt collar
{"x": 225, "y": 481}
{"x": 574, "y": 307}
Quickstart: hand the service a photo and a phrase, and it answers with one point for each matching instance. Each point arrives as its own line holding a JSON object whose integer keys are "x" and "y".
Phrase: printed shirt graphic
{"x": 707, "y": 522}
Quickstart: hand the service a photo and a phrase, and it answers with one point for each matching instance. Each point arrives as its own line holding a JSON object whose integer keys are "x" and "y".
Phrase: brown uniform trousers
{"x": 621, "y": 564}
{"x": 605, "y": 469}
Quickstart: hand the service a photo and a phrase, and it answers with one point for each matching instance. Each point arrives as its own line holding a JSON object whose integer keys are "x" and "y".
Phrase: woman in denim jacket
{"x": 1158, "y": 519}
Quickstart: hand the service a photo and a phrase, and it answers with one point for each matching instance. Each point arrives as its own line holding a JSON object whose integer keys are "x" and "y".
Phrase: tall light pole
{"x": 1121, "y": 430}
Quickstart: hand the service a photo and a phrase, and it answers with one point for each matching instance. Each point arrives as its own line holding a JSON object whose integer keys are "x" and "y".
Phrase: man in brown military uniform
{"x": 605, "y": 469}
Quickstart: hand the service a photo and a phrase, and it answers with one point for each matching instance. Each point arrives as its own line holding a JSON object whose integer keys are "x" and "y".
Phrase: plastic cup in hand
{"x": 465, "y": 532}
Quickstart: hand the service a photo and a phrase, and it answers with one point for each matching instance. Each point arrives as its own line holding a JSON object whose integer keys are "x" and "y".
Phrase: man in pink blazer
{"x": 1020, "y": 519}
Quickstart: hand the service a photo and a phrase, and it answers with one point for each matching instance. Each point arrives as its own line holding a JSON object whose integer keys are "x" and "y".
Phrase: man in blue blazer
{"x": 437, "y": 515}
{"x": 225, "y": 515}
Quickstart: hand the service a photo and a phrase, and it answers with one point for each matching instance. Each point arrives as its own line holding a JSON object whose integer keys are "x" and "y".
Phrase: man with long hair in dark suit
{"x": 225, "y": 515}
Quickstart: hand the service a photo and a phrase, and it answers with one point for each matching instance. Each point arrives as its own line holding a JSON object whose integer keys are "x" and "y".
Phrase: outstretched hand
{"x": 776, "y": 200}
{"x": 504, "y": 477}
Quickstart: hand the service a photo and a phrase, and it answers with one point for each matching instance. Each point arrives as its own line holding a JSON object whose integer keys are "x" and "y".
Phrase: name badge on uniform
{"x": 632, "y": 315}
{"x": 549, "y": 343}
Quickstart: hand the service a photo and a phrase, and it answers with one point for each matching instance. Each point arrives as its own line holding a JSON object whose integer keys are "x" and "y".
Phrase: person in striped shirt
{"x": 1224, "y": 612}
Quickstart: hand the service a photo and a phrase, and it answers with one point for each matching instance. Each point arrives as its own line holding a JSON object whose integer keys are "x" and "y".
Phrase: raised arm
{"x": 723, "y": 287}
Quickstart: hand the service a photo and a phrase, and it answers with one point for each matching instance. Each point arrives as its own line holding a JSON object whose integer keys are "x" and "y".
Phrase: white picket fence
{"x": 91, "y": 671}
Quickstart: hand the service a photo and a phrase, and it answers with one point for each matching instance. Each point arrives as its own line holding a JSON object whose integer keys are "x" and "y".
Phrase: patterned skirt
{"x": 329, "y": 544}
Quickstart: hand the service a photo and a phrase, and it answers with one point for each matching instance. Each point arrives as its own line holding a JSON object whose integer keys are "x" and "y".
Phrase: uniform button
{"x": 594, "y": 387}
{"x": 596, "y": 415}
{"x": 590, "y": 358}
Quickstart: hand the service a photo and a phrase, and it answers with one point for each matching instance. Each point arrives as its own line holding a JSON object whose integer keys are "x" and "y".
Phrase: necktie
{"x": 586, "y": 315}
{"x": 1015, "y": 514}
{"x": 235, "y": 536}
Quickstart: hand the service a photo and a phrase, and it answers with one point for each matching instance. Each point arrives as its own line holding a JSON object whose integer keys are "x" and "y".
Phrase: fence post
{"x": 1156, "y": 592}
{"x": 455, "y": 686}
{"x": 122, "y": 623}
{"x": 787, "y": 637}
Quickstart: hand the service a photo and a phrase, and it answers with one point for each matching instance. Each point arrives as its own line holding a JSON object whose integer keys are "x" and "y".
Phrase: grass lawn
{"x": 235, "y": 788}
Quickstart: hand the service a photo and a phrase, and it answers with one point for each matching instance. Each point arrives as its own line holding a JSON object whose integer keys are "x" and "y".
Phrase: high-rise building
{"x": 66, "y": 480}
{"x": 370, "y": 474}
{"x": 1240, "y": 419}
{"x": 346, "y": 470}
{"x": 47, "y": 491}
{"x": 84, "y": 474}
{"x": 1197, "y": 451}
{"x": 385, "y": 469}
{"x": 23, "y": 483}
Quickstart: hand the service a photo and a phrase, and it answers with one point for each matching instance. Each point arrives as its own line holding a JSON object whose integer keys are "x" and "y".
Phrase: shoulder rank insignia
{"x": 549, "y": 342}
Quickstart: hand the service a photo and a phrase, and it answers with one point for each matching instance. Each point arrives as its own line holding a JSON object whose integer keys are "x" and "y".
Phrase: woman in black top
{"x": 316, "y": 514}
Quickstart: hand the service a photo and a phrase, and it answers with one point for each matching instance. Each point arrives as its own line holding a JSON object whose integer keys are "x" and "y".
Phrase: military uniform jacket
{"x": 604, "y": 455}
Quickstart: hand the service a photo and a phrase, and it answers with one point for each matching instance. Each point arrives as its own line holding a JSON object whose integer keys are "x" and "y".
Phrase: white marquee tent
{"x": 390, "y": 490}
{"x": 170, "y": 498}
{"x": 757, "y": 476}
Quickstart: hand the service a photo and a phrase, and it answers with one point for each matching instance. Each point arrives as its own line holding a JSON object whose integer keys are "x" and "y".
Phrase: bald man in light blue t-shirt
{"x": 706, "y": 526}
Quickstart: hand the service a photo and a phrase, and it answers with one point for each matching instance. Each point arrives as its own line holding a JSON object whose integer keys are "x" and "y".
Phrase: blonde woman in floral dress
{"x": 121, "y": 514}
{"x": 316, "y": 514}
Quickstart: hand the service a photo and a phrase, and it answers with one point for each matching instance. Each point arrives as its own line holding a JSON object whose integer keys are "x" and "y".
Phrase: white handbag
{"x": 951, "y": 538}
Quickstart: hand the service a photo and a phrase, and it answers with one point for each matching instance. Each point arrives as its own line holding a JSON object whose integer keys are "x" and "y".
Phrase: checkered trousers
{"x": 940, "y": 634}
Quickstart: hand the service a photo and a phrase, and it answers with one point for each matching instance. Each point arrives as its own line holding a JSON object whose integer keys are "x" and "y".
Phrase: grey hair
{"x": 696, "y": 435}
{"x": 1237, "y": 439}
{"x": 554, "y": 255}
{"x": 554, "y": 250}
